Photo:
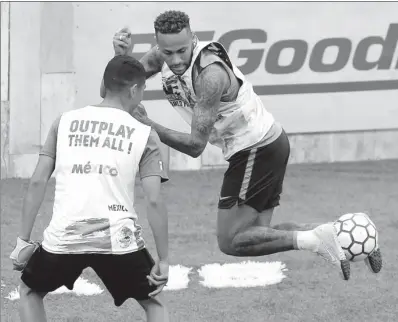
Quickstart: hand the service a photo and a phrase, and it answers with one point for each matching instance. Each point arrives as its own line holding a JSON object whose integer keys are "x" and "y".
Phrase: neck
{"x": 113, "y": 102}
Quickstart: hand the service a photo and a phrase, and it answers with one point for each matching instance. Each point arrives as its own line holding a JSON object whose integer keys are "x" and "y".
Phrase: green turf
{"x": 312, "y": 291}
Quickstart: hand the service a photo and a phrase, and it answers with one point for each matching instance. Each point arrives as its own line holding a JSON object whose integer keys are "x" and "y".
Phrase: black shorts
{"x": 123, "y": 275}
{"x": 255, "y": 177}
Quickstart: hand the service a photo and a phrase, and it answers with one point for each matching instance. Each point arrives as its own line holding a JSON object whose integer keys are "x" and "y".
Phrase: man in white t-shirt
{"x": 95, "y": 154}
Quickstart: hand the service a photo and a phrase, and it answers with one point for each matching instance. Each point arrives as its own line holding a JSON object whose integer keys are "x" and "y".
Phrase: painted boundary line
{"x": 234, "y": 275}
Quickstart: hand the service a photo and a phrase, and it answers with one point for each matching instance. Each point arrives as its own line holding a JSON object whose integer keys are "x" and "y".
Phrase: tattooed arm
{"x": 152, "y": 62}
{"x": 210, "y": 86}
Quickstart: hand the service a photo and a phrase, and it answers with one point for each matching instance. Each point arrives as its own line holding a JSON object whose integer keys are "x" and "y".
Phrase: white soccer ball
{"x": 357, "y": 235}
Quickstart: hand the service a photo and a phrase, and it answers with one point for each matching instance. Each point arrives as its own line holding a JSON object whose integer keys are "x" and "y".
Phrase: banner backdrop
{"x": 318, "y": 67}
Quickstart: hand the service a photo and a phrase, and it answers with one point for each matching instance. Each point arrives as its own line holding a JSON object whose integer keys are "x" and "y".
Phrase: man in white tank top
{"x": 95, "y": 154}
{"x": 219, "y": 104}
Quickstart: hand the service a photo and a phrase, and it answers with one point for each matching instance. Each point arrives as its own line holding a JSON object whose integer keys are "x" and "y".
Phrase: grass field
{"x": 311, "y": 291}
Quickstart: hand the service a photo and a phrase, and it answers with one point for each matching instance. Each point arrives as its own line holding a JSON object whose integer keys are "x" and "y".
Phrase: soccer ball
{"x": 357, "y": 235}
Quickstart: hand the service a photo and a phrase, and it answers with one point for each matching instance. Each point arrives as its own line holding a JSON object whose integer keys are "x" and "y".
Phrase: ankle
{"x": 305, "y": 240}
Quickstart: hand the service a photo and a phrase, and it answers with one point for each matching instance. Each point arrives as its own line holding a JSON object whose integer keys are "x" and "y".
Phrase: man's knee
{"x": 234, "y": 246}
{"x": 231, "y": 222}
{"x": 225, "y": 245}
{"x": 25, "y": 291}
{"x": 154, "y": 303}
{"x": 230, "y": 245}
{"x": 155, "y": 309}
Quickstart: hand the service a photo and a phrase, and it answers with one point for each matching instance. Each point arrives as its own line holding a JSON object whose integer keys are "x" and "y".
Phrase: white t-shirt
{"x": 98, "y": 153}
{"x": 241, "y": 123}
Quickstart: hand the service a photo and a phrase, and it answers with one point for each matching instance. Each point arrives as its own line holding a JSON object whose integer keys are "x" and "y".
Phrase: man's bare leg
{"x": 155, "y": 309}
{"x": 242, "y": 231}
{"x": 239, "y": 234}
{"x": 31, "y": 306}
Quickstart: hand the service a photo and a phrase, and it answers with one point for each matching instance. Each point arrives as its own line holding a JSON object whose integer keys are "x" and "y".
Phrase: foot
{"x": 329, "y": 248}
{"x": 374, "y": 261}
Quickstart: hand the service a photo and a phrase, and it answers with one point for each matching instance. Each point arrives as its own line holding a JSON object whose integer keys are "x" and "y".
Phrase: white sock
{"x": 306, "y": 240}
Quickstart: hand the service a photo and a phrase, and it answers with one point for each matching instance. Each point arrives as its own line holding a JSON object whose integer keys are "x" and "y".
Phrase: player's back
{"x": 97, "y": 159}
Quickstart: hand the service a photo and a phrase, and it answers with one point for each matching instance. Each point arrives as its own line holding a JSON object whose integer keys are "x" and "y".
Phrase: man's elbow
{"x": 41, "y": 177}
{"x": 37, "y": 182}
{"x": 196, "y": 154}
{"x": 197, "y": 150}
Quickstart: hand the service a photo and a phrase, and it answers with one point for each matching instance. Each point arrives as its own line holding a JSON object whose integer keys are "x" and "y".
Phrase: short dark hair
{"x": 171, "y": 22}
{"x": 123, "y": 71}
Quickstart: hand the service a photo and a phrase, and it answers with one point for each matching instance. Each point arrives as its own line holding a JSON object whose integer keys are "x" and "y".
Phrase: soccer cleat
{"x": 329, "y": 248}
{"x": 374, "y": 261}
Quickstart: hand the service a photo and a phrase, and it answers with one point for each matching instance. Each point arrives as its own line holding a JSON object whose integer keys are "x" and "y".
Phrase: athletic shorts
{"x": 255, "y": 177}
{"x": 123, "y": 275}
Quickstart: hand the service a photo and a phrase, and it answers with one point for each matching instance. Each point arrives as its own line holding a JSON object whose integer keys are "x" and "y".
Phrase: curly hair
{"x": 171, "y": 22}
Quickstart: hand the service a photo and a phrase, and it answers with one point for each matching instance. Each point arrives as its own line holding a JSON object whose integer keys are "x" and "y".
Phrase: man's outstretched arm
{"x": 210, "y": 86}
{"x": 38, "y": 183}
{"x": 151, "y": 61}
{"x": 35, "y": 195}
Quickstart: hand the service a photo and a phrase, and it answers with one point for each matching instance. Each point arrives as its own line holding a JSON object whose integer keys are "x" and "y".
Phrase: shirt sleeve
{"x": 151, "y": 163}
{"x": 50, "y": 146}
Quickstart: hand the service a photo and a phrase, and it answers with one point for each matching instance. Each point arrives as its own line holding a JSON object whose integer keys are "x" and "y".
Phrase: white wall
{"x": 58, "y": 51}
{"x": 305, "y": 22}
{"x": 337, "y": 109}
{"x": 5, "y": 111}
{"x": 5, "y": 47}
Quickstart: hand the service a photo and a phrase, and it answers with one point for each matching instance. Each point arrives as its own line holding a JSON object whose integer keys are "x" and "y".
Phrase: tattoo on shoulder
{"x": 211, "y": 84}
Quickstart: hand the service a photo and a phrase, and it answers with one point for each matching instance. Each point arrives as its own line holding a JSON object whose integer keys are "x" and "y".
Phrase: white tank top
{"x": 241, "y": 123}
{"x": 97, "y": 159}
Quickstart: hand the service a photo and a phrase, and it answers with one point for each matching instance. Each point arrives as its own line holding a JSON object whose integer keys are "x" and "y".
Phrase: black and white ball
{"x": 357, "y": 235}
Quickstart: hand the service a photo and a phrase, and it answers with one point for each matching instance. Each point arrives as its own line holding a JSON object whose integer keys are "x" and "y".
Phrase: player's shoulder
{"x": 214, "y": 51}
{"x": 57, "y": 121}
{"x": 74, "y": 111}
{"x": 213, "y": 74}
{"x": 153, "y": 138}
{"x": 211, "y": 61}
{"x": 208, "y": 56}
{"x": 153, "y": 143}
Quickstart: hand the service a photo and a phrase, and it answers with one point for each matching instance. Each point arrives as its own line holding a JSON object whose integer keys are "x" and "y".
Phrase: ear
{"x": 194, "y": 39}
{"x": 133, "y": 90}
{"x": 156, "y": 40}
